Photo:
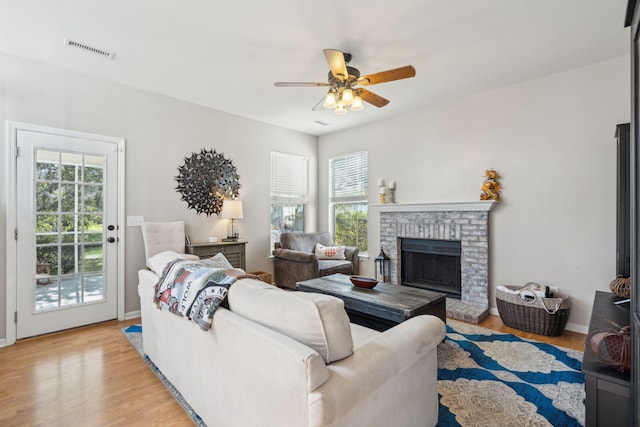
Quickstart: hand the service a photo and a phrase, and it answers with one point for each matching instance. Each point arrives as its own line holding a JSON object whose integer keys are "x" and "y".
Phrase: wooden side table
{"x": 232, "y": 251}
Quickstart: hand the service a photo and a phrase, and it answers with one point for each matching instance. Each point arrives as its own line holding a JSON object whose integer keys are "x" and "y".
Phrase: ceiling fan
{"x": 345, "y": 83}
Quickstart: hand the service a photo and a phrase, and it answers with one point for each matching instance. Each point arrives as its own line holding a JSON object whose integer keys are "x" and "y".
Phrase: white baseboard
{"x": 3, "y": 342}
{"x": 573, "y": 327}
{"x": 132, "y": 315}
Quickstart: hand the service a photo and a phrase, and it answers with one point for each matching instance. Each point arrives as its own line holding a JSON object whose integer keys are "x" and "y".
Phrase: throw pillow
{"x": 316, "y": 320}
{"x": 218, "y": 261}
{"x": 159, "y": 261}
{"x": 330, "y": 252}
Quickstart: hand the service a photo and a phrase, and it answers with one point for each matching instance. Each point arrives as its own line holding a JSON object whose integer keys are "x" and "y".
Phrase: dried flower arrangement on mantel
{"x": 490, "y": 187}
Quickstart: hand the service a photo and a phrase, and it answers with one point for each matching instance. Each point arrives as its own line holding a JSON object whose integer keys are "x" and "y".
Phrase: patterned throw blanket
{"x": 194, "y": 289}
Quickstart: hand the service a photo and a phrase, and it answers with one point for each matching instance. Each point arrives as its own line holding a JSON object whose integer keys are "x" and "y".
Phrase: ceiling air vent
{"x": 88, "y": 48}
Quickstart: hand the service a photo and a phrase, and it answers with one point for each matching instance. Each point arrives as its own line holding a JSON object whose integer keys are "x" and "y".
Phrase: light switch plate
{"x": 134, "y": 221}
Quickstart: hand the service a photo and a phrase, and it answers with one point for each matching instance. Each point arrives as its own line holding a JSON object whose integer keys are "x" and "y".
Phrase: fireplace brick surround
{"x": 467, "y": 222}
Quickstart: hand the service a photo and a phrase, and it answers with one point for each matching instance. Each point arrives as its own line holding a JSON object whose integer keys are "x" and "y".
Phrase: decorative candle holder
{"x": 392, "y": 195}
{"x": 382, "y": 191}
{"x": 392, "y": 191}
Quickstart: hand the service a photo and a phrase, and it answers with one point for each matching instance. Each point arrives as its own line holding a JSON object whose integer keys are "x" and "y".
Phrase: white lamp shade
{"x": 347, "y": 96}
{"x": 329, "y": 101}
{"x": 231, "y": 209}
{"x": 340, "y": 108}
{"x": 357, "y": 104}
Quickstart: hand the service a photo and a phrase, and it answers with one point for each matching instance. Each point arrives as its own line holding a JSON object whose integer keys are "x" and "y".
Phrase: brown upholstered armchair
{"x": 295, "y": 259}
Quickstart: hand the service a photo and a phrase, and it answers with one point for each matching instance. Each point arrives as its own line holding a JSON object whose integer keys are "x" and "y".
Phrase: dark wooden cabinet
{"x": 632, "y": 19}
{"x": 232, "y": 251}
{"x": 608, "y": 401}
{"x": 623, "y": 197}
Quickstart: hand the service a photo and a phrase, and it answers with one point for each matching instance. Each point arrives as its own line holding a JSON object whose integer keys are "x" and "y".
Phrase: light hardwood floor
{"x": 568, "y": 339}
{"x": 91, "y": 376}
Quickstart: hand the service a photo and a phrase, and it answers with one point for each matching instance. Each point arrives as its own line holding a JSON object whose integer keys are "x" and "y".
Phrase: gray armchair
{"x": 295, "y": 259}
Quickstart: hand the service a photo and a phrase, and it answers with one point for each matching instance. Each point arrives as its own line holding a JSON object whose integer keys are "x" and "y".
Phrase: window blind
{"x": 349, "y": 177}
{"x": 289, "y": 178}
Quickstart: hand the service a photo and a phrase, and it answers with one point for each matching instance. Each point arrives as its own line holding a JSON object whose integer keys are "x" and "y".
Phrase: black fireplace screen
{"x": 432, "y": 265}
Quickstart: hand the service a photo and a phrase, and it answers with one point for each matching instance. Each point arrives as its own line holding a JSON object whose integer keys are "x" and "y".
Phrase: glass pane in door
{"x": 69, "y": 232}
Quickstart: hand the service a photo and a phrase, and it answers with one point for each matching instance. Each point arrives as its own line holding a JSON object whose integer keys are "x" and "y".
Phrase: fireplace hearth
{"x": 433, "y": 265}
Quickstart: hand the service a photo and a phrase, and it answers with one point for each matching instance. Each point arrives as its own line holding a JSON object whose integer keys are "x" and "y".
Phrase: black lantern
{"x": 383, "y": 267}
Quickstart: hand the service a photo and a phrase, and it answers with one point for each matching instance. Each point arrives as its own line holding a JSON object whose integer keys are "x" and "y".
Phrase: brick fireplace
{"x": 465, "y": 222}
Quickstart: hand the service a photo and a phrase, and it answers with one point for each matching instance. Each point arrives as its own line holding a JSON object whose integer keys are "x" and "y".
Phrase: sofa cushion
{"x": 328, "y": 267}
{"x": 361, "y": 335}
{"x": 316, "y": 320}
{"x": 304, "y": 242}
{"x": 329, "y": 252}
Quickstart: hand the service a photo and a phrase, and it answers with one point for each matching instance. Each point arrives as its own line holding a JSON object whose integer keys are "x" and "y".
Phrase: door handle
{"x": 111, "y": 239}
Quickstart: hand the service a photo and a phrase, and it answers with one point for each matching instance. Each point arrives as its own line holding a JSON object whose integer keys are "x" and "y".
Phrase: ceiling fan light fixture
{"x": 357, "y": 104}
{"x": 343, "y": 83}
{"x": 347, "y": 96}
{"x": 329, "y": 100}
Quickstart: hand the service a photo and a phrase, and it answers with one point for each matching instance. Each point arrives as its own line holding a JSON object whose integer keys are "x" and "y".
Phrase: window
{"x": 348, "y": 198}
{"x": 289, "y": 193}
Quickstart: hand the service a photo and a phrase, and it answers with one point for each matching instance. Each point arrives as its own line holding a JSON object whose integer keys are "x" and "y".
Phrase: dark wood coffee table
{"x": 379, "y": 308}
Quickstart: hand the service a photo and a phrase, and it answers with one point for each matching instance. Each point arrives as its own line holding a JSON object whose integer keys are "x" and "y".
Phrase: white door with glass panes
{"x": 67, "y": 231}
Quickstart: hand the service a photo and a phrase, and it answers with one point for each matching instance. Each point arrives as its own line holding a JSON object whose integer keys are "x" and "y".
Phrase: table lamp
{"x": 232, "y": 210}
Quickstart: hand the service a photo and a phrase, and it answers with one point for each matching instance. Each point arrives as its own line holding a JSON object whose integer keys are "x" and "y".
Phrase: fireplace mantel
{"x": 478, "y": 206}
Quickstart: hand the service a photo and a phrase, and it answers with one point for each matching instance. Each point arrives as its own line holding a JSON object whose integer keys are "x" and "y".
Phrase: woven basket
{"x": 621, "y": 286}
{"x": 263, "y": 275}
{"x": 543, "y": 316}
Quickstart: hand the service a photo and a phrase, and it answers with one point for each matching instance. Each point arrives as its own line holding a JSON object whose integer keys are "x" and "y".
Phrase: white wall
{"x": 550, "y": 138}
{"x": 160, "y": 132}
{"x": 552, "y": 141}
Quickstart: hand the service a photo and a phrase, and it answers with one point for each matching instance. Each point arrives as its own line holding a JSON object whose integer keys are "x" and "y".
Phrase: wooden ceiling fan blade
{"x": 372, "y": 98}
{"x": 388, "y": 76}
{"x": 335, "y": 59}
{"x": 298, "y": 84}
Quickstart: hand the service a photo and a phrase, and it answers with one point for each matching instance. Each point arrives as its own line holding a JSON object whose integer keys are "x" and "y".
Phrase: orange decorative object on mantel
{"x": 490, "y": 187}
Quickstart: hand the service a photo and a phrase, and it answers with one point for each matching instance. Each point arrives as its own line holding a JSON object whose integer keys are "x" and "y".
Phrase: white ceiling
{"x": 227, "y": 54}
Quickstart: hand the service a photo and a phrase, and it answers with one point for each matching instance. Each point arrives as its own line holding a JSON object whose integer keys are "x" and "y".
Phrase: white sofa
{"x": 264, "y": 361}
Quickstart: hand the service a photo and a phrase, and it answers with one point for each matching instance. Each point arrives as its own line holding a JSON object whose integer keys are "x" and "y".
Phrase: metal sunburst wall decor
{"x": 205, "y": 180}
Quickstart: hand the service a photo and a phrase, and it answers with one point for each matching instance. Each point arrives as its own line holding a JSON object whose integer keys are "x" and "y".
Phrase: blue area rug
{"x": 488, "y": 378}
{"x": 485, "y": 378}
